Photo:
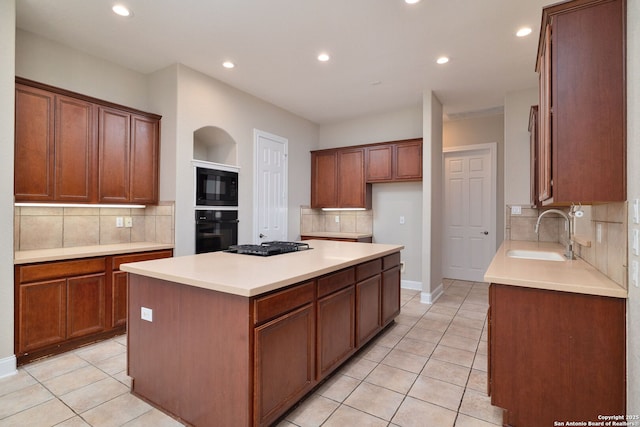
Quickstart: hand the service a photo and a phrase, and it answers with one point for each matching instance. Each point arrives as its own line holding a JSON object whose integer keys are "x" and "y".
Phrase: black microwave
{"x": 216, "y": 187}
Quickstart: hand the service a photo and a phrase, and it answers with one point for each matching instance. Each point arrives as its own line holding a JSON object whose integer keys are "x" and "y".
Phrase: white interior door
{"x": 469, "y": 212}
{"x": 270, "y": 188}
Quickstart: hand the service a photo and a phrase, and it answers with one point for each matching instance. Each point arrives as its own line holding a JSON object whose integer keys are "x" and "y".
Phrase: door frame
{"x": 492, "y": 147}
{"x": 257, "y": 133}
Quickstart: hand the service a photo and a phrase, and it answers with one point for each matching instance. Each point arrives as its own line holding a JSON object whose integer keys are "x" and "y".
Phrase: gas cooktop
{"x": 268, "y": 248}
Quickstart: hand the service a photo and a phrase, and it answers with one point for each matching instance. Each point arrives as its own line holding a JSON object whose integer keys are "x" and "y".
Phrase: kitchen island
{"x": 229, "y": 339}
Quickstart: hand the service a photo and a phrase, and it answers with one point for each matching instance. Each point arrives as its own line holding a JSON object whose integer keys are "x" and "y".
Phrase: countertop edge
{"x": 62, "y": 254}
{"x": 140, "y": 268}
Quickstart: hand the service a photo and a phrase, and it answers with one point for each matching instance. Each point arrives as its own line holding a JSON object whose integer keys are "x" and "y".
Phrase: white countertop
{"x": 249, "y": 275}
{"x": 575, "y": 276}
{"x": 59, "y": 254}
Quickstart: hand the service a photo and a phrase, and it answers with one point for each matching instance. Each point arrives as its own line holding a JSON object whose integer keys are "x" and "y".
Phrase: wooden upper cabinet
{"x": 352, "y": 188}
{"x": 34, "y": 144}
{"x": 145, "y": 159}
{"x": 324, "y": 179}
{"x": 394, "y": 161}
{"x": 408, "y": 161}
{"x": 114, "y": 142}
{"x": 380, "y": 163}
{"x": 338, "y": 179}
{"x": 581, "y": 61}
{"x": 533, "y": 153}
{"x": 77, "y": 149}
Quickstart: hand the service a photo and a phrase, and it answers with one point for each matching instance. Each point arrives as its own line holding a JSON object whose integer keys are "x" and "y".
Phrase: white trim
{"x": 8, "y": 366}
{"x": 216, "y": 166}
{"x": 430, "y": 298}
{"x": 256, "y": 134}
{"x": 411, "y": 284}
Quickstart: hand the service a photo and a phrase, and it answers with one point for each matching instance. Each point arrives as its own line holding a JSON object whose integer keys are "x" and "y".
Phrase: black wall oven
{"x": 216, "y": 230}
{"x": 215, "y": 187}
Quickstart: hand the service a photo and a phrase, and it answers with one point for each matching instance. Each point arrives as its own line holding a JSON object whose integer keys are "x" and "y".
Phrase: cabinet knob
{"x": 484, "y": 232}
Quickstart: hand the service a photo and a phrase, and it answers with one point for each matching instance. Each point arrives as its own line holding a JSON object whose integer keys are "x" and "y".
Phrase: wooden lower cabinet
{"x": 61, "y": 305}
{"x": 246, "y": 361}
{"x": 555, "y": 356}
{"x": 284, "y": 362}
{"x": 367, "y": 309}
{"x": 390, "y": 294}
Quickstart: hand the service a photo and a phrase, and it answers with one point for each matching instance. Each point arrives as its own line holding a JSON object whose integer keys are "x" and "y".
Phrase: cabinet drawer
{"x": 146, "y": 256}
{"x": 336, "y": 281}
{"x": 57, "y": 270}
{"x": 391, "y": 261}
{"x": 368, "y": 269}
{"x": 274, "y": 305}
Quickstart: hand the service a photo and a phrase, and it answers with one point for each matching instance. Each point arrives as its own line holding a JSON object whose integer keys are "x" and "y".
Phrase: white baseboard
{"x": 8, "y": 366}
{"x": 431, "y": 297}
{"x": 411, "y": 284}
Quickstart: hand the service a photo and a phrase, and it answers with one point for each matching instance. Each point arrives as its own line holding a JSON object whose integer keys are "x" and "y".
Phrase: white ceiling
{"x": 275, "y": 43}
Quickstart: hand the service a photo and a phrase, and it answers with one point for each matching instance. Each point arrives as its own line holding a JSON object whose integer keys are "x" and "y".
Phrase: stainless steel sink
{"x": 537, "y": 255}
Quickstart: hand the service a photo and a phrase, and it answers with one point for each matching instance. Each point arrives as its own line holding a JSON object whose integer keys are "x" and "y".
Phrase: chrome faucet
{"x": 569, "y": 251}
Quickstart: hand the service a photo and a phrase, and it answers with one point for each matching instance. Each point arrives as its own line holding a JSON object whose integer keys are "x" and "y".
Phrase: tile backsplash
{"x": 62, "y": 227}
{"x": 317, "y": 220}
{"x": 608, "y": 253}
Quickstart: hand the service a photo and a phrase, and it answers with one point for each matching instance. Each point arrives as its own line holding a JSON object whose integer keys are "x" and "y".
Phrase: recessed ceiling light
{"x": 228, "y": 64}
{"x": 442, "y": 60}
{"x": 121, "y": 10}
{"x": 411, "y": 1}
{"x": 523, "y": 32}
{"x": 323, "y": 57}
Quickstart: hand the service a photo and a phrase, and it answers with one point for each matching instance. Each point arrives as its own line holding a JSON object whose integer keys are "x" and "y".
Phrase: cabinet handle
{"x": 484, "y": 232}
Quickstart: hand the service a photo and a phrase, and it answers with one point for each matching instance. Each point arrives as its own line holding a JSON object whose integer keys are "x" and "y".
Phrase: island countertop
{"x": 575, "y": 276}
{"x": 248, "y": 275}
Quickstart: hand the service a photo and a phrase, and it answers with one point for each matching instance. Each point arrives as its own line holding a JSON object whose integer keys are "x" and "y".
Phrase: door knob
{"x": 262, "y": 236}
{"x": 484, "y": 232}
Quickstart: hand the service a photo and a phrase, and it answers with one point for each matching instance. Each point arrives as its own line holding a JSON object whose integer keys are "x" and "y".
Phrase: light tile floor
{"x": 428, "y": 369}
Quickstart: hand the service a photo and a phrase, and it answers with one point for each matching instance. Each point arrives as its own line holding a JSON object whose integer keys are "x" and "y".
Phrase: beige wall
{"x": 633, "y": 192}
{"x": 482, "y": 130}
{"x": 7, "y": 89}
{"x": 390, "y": 200}
{"x": 203, "y": 101}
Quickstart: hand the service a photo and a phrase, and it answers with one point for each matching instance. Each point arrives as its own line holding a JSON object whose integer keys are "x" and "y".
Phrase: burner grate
{"x": 269, "y": 248}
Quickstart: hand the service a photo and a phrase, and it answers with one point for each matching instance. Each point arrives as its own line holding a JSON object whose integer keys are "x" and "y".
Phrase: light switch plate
{"x": 634, "y": 273}
{"x": 146, "y": 314}
{"x": 635, "y": 243}
{"x": 636, "y": 211}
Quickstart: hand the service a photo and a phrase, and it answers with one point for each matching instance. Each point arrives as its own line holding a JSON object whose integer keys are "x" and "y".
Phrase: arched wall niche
{"x": 213, "y": 144}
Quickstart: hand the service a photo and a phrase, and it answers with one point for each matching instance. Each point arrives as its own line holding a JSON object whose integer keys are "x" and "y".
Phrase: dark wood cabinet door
{"x": 119, "y": 283}
{"x": 367, "y": 309}
{"x": 544, "y": 120}
{"x": 34, "y": 149}
{"x": 408, "y": 161}
{"x": 76, "y": 150}
{"x": 351, "y": 179}
{"x": 390, "y": 294}
{"x": 284, "y": 363}
{"x": 379, "y": 163}
{"x": 144, "y": 160}
{"x": 533, "y": 156}
{"x": 324, "y": 179}
{"x": 85, "y": 305}
{"x": 336, "y": 329}
{"x": 41, "y": 314}
{"x": 114, "y": 155}
{"x": 569, "y": 350}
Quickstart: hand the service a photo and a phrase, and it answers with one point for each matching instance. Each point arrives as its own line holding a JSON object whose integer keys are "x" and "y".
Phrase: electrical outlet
{"x": 128, "y": 221}
{"x": 119, "y": 222}
{"x": 146, "y": 314}
{"x": 337, "y": 218}
{"x": 516, "y": 210}
{"x": 599, "y": 233}
{"x": 634, "y": 273}
{"x": 402, "y": 219}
